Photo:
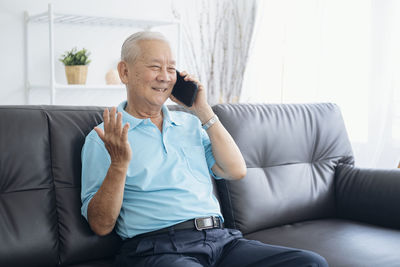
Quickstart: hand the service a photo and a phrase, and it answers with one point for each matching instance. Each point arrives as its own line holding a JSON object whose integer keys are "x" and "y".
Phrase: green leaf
{"x": 75, "y": 57}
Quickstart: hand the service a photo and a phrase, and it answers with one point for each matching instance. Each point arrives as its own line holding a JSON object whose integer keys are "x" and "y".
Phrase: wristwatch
{"x": 210, "y": 122}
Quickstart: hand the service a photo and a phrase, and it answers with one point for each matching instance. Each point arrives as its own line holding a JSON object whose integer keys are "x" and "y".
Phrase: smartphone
{"x": 184, "y": 91}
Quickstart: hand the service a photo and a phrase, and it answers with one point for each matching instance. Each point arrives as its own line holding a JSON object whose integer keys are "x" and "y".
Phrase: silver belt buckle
{"x": 204, "y": 223}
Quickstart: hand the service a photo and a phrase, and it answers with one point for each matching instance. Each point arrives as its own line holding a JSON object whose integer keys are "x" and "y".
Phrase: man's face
{"x": 152, "y": 75}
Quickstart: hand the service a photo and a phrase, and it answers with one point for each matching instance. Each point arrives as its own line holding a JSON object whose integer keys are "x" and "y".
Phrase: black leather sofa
{"x": 301, "y": 189}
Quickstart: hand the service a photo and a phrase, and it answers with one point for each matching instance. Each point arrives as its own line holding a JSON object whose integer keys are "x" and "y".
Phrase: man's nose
{"x": 164, "y": 76}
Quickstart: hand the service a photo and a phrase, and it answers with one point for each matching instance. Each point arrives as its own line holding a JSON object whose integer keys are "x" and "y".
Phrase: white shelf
{"x": 95, "y": 87}
{"x": 98, "y": 21}
{"x": 102, "y": 87}
{"x": 52, "y": 18}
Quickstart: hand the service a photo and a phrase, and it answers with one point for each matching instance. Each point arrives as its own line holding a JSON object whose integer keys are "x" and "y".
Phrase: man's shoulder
{"x": 93, "y": 136}
{"x": 93, "y": 145}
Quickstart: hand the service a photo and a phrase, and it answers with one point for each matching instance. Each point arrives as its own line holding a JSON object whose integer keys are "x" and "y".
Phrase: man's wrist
{"x": 119, "y": 166}
{"x": 205, "y": 114}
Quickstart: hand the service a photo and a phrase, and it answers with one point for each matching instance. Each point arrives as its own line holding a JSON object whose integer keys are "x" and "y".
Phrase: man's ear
{"x": 123, "y": 71}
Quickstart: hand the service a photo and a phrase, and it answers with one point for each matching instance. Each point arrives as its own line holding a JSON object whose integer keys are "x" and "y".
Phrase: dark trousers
{"x": 213, "y": 247}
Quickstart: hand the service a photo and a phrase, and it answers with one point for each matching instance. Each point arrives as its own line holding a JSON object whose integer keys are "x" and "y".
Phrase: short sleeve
{"x": 95, "y": 164}
{"x": 208, "y": 151}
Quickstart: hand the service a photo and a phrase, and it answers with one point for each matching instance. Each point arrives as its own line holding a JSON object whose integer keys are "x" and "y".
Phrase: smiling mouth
{"x": 161, "y": 90}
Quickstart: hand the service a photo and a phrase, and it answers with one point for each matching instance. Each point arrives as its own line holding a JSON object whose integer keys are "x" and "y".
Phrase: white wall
{"x": 103, "y": 42}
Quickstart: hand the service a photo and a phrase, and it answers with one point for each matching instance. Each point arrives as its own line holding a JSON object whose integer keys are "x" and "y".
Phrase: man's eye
{"x": 171, "y": 69}
{"x": 154, "y": 67}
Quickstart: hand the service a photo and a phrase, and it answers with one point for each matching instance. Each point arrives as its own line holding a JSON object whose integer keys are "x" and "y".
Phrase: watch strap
{"x": 210, "y": 122}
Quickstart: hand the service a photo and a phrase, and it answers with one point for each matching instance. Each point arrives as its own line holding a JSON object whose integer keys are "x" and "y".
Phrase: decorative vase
{"x": 76, "y": 74}
{"x": 112, "y": 77}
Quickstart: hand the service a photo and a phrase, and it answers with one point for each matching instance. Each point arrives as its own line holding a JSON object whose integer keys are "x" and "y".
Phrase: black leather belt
{"x": 198, "y": 224}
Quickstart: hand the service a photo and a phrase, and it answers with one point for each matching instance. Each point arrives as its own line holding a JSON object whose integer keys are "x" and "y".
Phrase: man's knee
{"x": 177, "y": 260}
{"x": 163, "y": 260}
{"x": 307, "y": 258}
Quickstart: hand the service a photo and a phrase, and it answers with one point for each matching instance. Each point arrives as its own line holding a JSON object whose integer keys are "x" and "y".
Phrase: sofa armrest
{"x": 368, "y": 195}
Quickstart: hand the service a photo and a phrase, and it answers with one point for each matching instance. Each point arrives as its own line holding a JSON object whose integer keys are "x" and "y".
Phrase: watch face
{"x": 210, "y": 122}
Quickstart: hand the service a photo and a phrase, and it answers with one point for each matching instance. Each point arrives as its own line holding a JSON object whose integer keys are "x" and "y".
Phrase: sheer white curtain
{"x": 384, "y": 113}
{"x": 216, "y": 39}
{"x": 341, "y": 51}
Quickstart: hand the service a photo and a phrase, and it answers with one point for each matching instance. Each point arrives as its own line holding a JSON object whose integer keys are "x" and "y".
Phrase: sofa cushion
{"x": 68, "y": 127}
{"x": 341, "y": 242}
{"x": 28, "y": 217}
{"x": 291, "y": 152}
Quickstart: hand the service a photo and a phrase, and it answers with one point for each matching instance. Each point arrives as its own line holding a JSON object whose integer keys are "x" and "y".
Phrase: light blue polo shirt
{"x": 168, "y": 179}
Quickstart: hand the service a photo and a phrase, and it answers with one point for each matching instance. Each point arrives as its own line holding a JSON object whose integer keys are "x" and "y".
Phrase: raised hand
{"x": 115, "y": 138}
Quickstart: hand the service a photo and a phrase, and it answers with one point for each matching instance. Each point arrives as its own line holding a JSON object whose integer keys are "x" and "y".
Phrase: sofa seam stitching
{"x": 38, "y": 188}
{"x": 54, "y": 188}
{"x": 283, "y": 164}
{"x": 24, "y": 190}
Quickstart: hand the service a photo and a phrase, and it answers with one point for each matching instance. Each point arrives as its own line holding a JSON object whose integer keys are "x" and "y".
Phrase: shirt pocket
{"x": 196, "y": 163}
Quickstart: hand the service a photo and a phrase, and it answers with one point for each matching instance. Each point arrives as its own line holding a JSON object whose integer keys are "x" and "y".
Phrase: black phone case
{"x": 184, "y": 91}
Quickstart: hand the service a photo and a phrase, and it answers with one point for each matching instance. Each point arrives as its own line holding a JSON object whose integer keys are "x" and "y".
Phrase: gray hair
{"x": 131, "y": 49}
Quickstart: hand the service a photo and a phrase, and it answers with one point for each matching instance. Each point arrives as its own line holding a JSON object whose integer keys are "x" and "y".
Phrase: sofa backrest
{"x": 291, "y": 152}
{"x": 40, "y": 170}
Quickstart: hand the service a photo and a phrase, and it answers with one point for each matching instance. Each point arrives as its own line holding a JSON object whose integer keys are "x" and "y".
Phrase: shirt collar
{"x": 133, "y": 121}
{"x": 126, "y": 117}
{"x": 169, "y": 117}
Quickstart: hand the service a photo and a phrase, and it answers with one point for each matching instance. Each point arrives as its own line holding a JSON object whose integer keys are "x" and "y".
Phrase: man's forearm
{"x": 105, "y": 206}
{"x": 229, "y": 159}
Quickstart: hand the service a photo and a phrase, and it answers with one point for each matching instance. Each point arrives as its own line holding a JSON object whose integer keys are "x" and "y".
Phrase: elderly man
{"x": 146, "y": 171}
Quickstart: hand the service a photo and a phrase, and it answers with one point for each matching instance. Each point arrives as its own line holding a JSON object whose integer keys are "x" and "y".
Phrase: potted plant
{"x": 76, "y": 65}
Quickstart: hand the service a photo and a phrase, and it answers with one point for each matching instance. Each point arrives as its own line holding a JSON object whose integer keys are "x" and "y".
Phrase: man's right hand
{"x": 115, "y": 138}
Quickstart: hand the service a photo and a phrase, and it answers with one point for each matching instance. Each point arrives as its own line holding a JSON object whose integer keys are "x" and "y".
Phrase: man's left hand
{"x": 200, "y": 106}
